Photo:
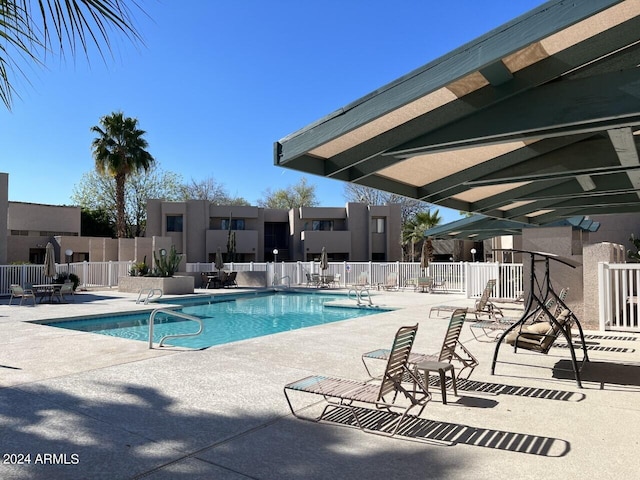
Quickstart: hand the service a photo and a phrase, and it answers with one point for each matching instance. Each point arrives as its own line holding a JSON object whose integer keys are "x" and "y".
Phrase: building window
{"x": 46, "y": 233}
{"x": 236, "y": 224}
{"x": 377, "y": 225}
{"x": 324, "y": 225}
{"x": 174, "y": 223}
{"x": 378, "y": 257}
{"x": 276, "y": 235}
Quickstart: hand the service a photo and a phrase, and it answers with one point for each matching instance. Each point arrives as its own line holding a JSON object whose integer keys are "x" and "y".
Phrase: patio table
{"x": 47, "y": 290}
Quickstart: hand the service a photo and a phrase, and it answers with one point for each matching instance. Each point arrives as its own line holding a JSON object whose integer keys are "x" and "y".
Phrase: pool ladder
{"x": 277, "y": 282}
{"x": 360, "y": 295}
{"x": 151, "y": 293}
{"x": 170, "y": 312}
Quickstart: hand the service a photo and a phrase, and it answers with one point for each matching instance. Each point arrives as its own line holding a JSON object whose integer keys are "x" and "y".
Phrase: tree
{"x": 98, "y": 192}
{"x": 31, "y": 30}
{"x": 413, "y": 230}
{"x": 96, "y": 223}
{"x": 209, "y": 189}
{"x": 120, "y": 150}
{"x": 371, "y": 196}
{"x": 294, "y": 196}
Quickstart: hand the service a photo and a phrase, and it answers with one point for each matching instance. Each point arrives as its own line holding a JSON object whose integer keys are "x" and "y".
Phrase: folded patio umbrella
{"x": 324, "y": 260}
{"x": 219, "y": 263}
{"x": 49, "y": 261}
{"x": 424, "y": 257}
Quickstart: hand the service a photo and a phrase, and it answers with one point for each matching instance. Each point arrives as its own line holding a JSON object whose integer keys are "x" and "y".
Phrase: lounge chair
{"x": 210, "y": 279}
{"x": 483, "y": 306}
{"x": 18, "y": 292}
{"x": 493, "y": 329}
{"x": 392, "y": 282}
{"x": 326, "y": 280}
{"x": 424, "y": 283}
{"x": 65, "y": 289}
{"x": 230, "y": 280}
{"x": 451, "y": 349}
{"x": 353, "y": 395}
{"x": 510, "y": 303}
{"x": 363, "y": 281}
{"x": 439, "y": 284}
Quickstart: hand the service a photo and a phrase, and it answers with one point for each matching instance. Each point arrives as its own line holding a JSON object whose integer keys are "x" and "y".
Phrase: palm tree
{"x": 413, "y": 230}
{"x": 32, "y": 29}
{"x": 120, "y": 150}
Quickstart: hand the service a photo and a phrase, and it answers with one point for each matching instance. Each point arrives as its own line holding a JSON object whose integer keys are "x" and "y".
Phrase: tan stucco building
{"x": 30, "y": 226}
{"x": 356, "y": 232}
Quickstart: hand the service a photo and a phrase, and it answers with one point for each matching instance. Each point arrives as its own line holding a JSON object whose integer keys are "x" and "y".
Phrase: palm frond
{"x": 30, "y": 29}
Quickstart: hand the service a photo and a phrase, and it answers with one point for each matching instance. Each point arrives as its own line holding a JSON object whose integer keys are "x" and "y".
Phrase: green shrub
{"x": 64, "y": 276}
{"x": 634, "y": 256}
{"x": 140, "y": 269}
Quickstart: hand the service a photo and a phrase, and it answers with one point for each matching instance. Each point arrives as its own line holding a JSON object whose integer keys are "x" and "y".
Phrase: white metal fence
{"x": 461, "y": 277}
{"x": 468, "y": 278}
{"x": 618, "y": 288}
{"x": 619, "y": 291}
{"x": 91, "y": 274}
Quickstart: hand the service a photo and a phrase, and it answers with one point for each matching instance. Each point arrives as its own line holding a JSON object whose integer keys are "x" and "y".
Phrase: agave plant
{"x": 166, "y": 264}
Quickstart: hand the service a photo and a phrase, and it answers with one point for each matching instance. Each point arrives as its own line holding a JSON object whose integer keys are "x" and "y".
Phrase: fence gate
{"x": 619, "y": 296}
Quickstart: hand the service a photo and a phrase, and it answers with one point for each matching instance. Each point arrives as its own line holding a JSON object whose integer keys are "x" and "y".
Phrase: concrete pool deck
{"x": 89, "y": 406}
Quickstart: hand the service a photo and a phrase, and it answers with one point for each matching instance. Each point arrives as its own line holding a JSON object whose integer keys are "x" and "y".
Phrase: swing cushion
{"x": 541, "y": 328}
{"x": 537, "y": 336}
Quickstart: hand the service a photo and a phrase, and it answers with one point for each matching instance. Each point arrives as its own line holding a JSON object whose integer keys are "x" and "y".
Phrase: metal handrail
{"x": 150, "y": 294}
{"x": 359, "y": 297}
{"x": 169, "y": 311}
{"x": 280, "y": 279}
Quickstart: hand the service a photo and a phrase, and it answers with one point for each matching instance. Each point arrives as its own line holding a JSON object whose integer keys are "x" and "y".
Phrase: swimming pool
{"x": 225, "y": 320}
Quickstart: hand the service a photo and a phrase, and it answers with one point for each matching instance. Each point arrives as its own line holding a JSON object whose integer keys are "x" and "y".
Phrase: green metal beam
{"x": 541, "y": 22}
{"x": 609, "y": 100}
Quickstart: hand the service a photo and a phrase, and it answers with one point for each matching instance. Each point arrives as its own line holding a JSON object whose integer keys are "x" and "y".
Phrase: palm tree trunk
{"x": 121, "y": 227}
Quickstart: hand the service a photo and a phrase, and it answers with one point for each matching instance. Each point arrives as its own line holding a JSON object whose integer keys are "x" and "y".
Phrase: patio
{"x": 111, "y": 408}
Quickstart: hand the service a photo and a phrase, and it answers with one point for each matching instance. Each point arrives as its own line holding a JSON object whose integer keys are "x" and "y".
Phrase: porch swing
{"x": 538, "y": 336}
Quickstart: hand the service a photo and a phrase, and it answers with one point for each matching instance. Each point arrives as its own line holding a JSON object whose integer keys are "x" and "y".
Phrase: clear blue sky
{"x": 217, "y": 82}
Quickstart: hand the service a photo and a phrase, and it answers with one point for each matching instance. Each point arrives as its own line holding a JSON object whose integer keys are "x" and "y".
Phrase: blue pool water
{"x": 225, "y": 321}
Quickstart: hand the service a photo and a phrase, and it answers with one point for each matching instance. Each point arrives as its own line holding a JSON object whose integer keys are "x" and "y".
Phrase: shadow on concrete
{"x": 86, "y": 297}
{"x": 129, "y": 431}
{"x": 503, "y": 389}
{"x": 78, "y": 297}
{"x": 595, "y": 347}
{"x": 417, "y": 428}
{"x": 606, "y": 374}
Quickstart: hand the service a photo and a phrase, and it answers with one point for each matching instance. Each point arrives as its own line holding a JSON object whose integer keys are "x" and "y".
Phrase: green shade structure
{"x": 536, "y": 121}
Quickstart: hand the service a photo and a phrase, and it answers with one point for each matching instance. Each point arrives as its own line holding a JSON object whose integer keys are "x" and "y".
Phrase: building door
{"x": 276, "y": 236}
{"x": 36, "y": 255}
